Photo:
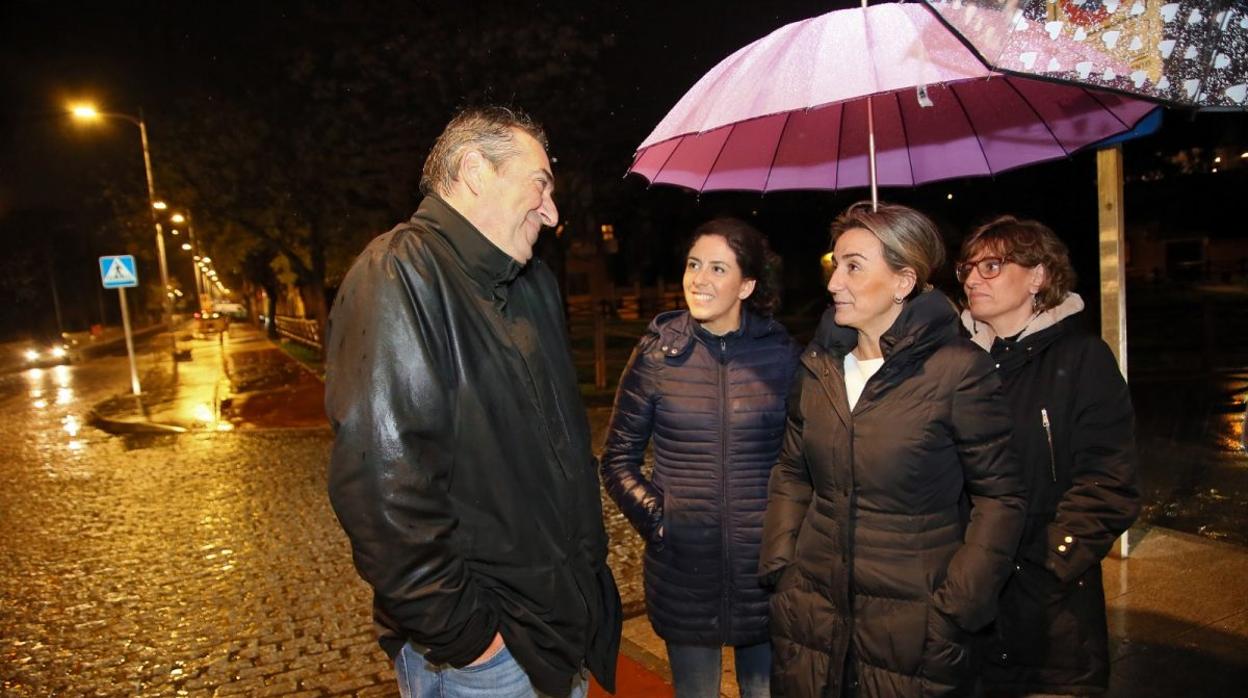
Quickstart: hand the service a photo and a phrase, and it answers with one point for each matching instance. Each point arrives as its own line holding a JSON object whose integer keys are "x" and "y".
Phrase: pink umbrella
{"x": 793, "y": 111}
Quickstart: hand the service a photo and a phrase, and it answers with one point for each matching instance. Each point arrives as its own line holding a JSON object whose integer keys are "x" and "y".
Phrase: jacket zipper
{"x": 726, "y": 602}
{"x": 824, "y": 382}
{"x": 1048, "y": 434}
{"x": 847, "y": 559}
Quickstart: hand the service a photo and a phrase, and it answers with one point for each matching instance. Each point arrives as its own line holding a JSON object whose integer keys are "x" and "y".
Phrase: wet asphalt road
{"x": 168, "y": 565}
{"x": 193, "y": 564}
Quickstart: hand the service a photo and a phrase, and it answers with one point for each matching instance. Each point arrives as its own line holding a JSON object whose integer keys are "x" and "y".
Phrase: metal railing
{"x": 625, "y": 303}
{"x": 305, "y": 332}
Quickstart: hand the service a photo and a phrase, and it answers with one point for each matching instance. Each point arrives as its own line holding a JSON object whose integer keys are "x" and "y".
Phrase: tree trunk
{"x": 270, "y": 314}
{"x": 312, "y": 290}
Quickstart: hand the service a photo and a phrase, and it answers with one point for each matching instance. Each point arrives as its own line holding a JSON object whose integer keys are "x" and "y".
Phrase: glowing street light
{"x": 88, "y": 113}
{"x": 178, "y": 218}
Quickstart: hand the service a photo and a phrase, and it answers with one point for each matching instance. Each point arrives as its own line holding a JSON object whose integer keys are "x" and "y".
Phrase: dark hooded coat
{"x": 891, "y": 527}
{"x": 1074, "y": 433}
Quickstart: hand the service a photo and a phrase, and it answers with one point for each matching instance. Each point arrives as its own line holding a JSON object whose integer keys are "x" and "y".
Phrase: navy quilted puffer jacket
{"x": 714, "y": 408}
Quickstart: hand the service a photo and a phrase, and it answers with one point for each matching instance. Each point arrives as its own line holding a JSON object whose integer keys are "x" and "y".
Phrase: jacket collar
{"x": 481, "y": 259}
{"x": 677, "y": 329}
{"x": 983, "y": 335}
{"x": 927, "y": 321}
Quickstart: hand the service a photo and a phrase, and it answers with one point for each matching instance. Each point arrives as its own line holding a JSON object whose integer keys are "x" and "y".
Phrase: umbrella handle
{"x": 875, "y": 192}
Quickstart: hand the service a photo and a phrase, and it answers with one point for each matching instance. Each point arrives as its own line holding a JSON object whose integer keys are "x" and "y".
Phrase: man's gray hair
{"x": 487, "y": 129}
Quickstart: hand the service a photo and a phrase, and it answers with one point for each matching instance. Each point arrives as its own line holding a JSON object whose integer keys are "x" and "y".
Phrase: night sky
{"x": 128, "y": 54}
{"x": 180, "y": 59}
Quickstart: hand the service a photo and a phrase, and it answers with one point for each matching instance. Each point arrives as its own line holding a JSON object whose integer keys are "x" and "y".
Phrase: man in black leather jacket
{"x": 462, "y": 470}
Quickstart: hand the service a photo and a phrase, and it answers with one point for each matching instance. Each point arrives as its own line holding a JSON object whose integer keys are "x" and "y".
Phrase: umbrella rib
{"x": 1104, "y": 106}
{"x": 840, "y": 140}
{"x": 666, "y": 160}
{"x": 636, "y": 159}
{"x": 971, "y": 124}
{"x": 905, "y": 137}
{"x": 711, "y": 170}
{"x": 776, "y": 153}
{"x": 1042, "y": 120}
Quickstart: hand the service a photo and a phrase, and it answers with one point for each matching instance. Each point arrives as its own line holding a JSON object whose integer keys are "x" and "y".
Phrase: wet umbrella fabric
{"x": 1188, "y": 52}
{"x": 789, "y": 111}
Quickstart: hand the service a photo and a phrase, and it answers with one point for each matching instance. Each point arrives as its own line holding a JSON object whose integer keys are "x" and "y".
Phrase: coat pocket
{"x": 947, "y": 657}
{"x": 1044, "y": 622}
{"x": 658, "y": 537}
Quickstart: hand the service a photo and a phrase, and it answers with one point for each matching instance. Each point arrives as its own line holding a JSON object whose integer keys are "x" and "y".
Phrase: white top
{"x": 857, "y": 373}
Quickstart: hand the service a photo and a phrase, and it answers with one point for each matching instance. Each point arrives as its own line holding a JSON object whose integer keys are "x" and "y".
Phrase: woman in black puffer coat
{"x": 1074, "y": 431}
{"x": 707, "y": 387}
{"x": 896, "y": 424}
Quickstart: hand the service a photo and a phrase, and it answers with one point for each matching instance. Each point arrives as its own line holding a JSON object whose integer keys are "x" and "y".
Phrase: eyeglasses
{"x": 988, "y": 268}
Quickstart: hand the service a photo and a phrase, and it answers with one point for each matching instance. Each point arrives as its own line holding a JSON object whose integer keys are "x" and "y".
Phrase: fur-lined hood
{"x": 983, "y": 335}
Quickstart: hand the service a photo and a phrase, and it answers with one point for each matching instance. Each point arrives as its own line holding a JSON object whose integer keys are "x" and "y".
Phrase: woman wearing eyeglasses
{"x": 1073, "y": 429}
{"x": 895, "y": 425}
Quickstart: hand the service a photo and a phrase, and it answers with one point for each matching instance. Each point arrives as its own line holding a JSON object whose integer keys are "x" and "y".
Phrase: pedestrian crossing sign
{"x": 117, "y": 271}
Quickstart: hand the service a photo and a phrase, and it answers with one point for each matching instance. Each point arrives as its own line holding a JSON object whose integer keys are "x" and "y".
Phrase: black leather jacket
{"x": 461, "y": 469}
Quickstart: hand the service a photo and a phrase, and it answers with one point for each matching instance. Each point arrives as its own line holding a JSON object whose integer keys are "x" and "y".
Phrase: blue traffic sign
{"x": 117, "y": 271}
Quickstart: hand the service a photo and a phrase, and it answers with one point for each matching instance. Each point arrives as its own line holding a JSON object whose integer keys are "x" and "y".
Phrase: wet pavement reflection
{"x": 1193, "y": 466}
{"x": 184, "y": 564}
{"x": 168, "y": 564}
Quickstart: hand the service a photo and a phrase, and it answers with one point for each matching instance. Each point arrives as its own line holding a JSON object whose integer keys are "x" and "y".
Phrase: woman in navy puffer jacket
{"x": 707, "y": 386}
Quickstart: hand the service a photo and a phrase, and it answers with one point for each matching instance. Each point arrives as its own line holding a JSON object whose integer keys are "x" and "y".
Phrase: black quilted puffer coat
{"x": 882, "y": 569}
{"x": 714, "y": 408}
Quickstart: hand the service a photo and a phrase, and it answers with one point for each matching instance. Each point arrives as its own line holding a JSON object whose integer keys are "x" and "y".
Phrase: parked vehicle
{"x": 211, "y": 321}
{"x": 235, "y": 311}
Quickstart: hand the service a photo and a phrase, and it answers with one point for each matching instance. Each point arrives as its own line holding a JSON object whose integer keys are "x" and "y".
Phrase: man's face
{"x": 518, "y": 199}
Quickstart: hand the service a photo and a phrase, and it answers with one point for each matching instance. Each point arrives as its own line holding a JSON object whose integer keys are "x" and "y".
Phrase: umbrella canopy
{"x": 790, "y": 110}
{"x": 1186, "y": 52}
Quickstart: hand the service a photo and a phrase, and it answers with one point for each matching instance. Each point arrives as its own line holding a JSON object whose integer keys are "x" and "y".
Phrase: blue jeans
{"x": 696, "y": 670}
{"x": 499, "y": 676}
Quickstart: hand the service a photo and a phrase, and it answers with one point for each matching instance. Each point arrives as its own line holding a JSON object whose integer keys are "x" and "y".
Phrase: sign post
{"x": 118, "y": 271}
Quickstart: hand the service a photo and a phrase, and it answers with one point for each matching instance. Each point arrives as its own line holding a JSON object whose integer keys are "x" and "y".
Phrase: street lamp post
{"x": 190, "y": 234}
{"x": 89, "y": 113}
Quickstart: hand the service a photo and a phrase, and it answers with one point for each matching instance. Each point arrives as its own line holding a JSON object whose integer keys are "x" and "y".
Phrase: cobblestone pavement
{"x": 193, "y": 564}
{"x": 626, "y": 549}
